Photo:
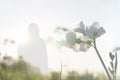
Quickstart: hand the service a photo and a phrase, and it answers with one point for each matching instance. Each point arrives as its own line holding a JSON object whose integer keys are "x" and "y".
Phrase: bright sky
{"x": 16, "y": 15}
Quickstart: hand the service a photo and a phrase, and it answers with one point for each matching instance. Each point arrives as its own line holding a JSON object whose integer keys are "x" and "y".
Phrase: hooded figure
{"x": 34, "y": 49}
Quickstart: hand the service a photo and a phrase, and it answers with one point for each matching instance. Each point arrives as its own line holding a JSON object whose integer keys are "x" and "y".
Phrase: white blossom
{"x": 84, "y": 42}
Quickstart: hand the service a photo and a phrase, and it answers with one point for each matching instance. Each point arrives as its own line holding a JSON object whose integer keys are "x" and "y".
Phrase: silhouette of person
{"x": 34, "y": 49}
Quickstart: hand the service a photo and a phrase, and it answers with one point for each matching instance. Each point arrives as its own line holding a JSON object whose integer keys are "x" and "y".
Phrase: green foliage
{"x": 85, "y": 76}
{"x": 54, "y": 76}
{"x": 21, "y": 70}
{"x": 72, "y": 76}
{"x": 101, "y": 76}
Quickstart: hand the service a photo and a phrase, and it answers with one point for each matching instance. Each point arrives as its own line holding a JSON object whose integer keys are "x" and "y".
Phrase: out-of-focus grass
{"x": 21, "y": 70}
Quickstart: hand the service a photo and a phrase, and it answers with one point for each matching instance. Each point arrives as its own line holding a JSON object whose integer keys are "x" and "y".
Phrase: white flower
{"x": 85, "y": 42}
{"x": 70, "y": 39}
{"x": 94, "y": 30}
{"x": 81, "y": 28}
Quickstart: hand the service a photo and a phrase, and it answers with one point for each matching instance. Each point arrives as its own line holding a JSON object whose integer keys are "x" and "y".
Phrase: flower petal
{"x": 101, "y": 31}
{"x": 88, "y": 32}
{"x": 81, "y": 28}
{"x": 95, "y": 24}
{"x": 84, "y": 47}
{"x": 76, "y": 47}
{"x": 70, "y": 39}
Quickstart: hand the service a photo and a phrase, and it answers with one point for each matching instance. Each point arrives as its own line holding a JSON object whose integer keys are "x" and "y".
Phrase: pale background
{"x": 15, "y": 15}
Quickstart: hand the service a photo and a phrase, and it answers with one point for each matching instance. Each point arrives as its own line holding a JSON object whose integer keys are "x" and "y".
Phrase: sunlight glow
{"x": 21, "y": 37}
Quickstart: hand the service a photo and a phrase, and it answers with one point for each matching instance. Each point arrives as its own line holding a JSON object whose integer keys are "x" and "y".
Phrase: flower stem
{"x": 61, "y": 71}
{"x": 61, "y": 65}
{"x": 103, "y": 64}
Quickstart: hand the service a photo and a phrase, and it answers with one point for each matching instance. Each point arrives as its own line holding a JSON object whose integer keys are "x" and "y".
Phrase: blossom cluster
{"x": 84, "y": 41}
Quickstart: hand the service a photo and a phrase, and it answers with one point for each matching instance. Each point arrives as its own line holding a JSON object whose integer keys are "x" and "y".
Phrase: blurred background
{"x": 15, "y": 16}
